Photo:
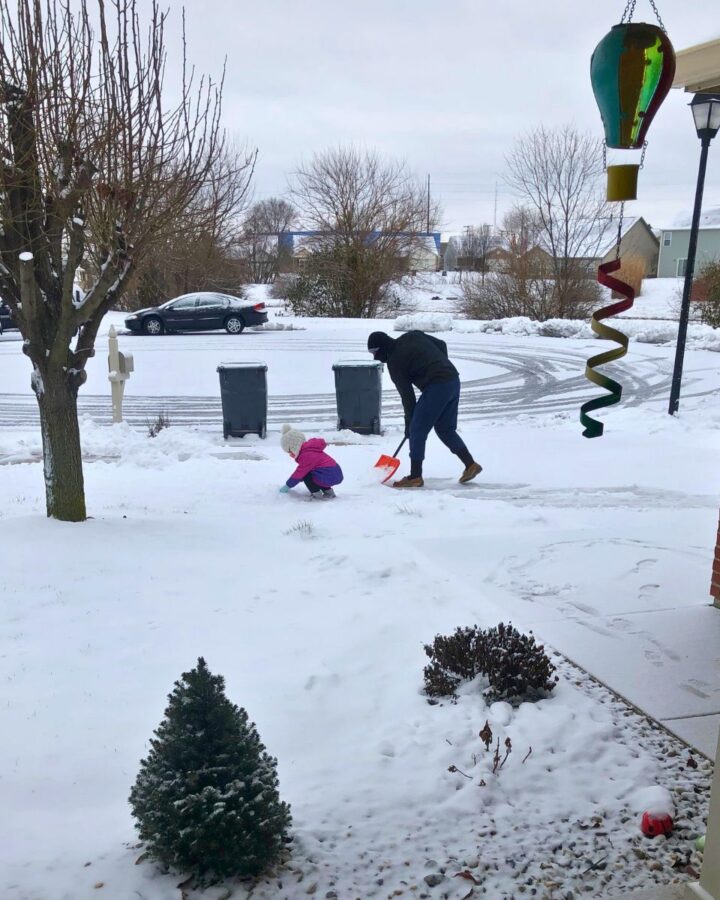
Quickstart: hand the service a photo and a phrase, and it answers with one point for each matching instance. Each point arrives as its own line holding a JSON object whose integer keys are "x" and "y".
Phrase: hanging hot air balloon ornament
{"x": 631, "y": 71}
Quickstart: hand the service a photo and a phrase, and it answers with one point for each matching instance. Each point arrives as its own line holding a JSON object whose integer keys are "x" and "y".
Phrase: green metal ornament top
{"x": 631, "y": 72}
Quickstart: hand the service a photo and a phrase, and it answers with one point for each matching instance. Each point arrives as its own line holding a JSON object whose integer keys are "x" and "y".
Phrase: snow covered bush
{"x": 311, "y": 295}
{"x": 516, "y": 668}
{"x": 424, "y": 322}
{"x": 162, "y": 421}
{"x": 206, "y": 798}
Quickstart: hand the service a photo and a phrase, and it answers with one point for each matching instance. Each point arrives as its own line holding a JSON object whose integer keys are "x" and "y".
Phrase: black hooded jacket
{"x": 415, "y": 358}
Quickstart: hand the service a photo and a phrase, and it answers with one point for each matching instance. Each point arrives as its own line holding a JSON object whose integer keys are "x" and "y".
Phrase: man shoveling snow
{"x": 420, "y": 359}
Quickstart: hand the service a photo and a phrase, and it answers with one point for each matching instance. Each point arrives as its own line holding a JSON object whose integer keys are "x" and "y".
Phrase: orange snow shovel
{"x": 389, "y": 464}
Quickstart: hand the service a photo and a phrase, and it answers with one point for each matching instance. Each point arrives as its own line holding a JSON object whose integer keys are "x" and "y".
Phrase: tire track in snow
{"x": 528, "y": 381}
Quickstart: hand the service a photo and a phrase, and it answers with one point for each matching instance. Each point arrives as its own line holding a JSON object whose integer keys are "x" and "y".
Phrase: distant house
{"x": 637, "y": 241}
{"x": 297, "y": 248}
{"x": 674, "y": 243}
{"x": 536, "y": 259}
{"x": 425, "y": 255}
{"x": 497, "y": 259}
{"x": 443, "y": 258}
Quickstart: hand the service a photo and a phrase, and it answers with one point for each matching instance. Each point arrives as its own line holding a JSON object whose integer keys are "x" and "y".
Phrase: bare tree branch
{"x": 369, "y": 216}
{"x": 558, "y": 173}
{"x": 97, "y": 170}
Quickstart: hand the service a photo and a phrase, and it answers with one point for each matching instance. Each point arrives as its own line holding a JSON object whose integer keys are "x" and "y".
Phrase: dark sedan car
{"x": 204, "y": 311}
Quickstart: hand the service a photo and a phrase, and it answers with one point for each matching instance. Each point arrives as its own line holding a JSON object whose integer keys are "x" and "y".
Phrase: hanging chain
{"x": 644, "y": 151}
{"x": 619, "y": 231}
{"x": 630, "y": 12}
{"x": 604, "y": 146}
{"x": 657, "y": 15}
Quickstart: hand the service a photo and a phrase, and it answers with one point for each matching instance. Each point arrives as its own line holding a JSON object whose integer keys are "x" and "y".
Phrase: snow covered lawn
{"x": 316, "y": 614}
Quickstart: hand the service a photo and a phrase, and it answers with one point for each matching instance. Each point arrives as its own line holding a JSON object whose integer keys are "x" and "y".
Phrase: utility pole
{"x": 428, "y": 205}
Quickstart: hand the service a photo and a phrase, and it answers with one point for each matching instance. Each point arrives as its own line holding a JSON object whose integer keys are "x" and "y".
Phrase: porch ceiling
{"x": 698, "y": 68}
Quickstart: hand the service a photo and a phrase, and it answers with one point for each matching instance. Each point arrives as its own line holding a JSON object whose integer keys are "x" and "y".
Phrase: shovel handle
{"x": 400, "y": 446}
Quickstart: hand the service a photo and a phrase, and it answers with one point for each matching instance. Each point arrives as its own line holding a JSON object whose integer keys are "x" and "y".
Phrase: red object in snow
{"x": 652, "y": 825}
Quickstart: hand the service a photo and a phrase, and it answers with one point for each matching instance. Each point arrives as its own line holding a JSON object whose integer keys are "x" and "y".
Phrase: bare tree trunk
{"x": 62, "y": 456}
{"x": 96, "y": 174}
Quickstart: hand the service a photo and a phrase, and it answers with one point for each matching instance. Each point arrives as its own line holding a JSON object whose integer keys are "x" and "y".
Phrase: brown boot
{"x": 409, "y": 482}
{"x": 472, "y": 471}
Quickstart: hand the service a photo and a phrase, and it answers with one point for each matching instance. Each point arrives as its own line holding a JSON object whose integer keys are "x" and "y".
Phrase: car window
{"x": 185, "y": 303}
{"x": 210, "y": 301}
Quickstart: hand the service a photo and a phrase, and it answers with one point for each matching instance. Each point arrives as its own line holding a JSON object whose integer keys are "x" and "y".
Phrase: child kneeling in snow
{"x": 315, "y": 468}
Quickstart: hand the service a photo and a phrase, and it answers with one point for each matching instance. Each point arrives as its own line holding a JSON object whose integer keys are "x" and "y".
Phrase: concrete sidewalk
{"x": 649, "y": 634}
{"x": 669, "y": 892}
{"x": 641, "y": 621}
{"x": 666, "y": 664}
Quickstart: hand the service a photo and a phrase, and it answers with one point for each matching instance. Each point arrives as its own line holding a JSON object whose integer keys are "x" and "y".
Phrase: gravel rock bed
{"x": 508, "y": 853}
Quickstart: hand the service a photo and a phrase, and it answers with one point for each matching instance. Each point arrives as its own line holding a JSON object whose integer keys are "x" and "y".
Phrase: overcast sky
{"x": 447, "y": 85}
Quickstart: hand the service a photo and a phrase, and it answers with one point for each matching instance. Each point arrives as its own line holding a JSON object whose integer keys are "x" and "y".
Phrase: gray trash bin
{"x": 243, "y": 391}
{"x": 358, "y": 389}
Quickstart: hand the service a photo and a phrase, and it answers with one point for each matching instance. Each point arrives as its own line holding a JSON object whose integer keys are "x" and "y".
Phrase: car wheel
{"x": 234, "y": 325}
{"x": 153, "y": 326}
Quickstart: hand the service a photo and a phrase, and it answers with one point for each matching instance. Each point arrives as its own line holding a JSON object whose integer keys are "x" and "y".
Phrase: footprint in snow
{"x": 691, "y": 689}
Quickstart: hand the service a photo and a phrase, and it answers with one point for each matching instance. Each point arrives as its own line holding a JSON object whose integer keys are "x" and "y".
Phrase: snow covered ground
{"x": 316, "y": 614}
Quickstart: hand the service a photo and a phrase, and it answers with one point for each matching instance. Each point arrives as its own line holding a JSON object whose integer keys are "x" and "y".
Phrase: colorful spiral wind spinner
{"x": 632, "y": 69}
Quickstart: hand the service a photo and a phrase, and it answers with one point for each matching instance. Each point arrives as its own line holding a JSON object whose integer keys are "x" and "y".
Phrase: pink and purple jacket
{"x": 312, "y": 460}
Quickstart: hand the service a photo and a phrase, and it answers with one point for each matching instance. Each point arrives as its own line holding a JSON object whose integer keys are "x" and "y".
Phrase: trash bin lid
{"x": 241, "y": 365}
{"x": 359, "y": 363}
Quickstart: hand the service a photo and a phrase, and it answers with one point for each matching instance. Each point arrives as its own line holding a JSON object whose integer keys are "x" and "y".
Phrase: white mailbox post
{"x": 120, "y": 365}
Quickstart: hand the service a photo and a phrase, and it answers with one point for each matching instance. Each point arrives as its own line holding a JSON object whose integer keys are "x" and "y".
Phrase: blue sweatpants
{"x": 437, "y": 408}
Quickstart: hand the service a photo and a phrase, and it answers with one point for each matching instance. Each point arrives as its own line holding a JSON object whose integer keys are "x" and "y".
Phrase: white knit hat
{"x": 291, "y": 440}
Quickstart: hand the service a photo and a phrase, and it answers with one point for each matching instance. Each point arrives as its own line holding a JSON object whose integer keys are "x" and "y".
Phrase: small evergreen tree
{"x": 206, "y": 798}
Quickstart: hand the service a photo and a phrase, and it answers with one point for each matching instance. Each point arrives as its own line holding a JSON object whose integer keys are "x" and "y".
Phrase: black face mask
{"x": 380, "y": 345}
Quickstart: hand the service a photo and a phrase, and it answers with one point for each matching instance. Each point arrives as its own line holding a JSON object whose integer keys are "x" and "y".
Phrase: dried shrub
{"x": 161, "y": 422}
{"x": 516, "y": 290}
{"x": 707, "y": 291}
{"x": 282, "y": 285}
{"x": 516, "y": 668}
